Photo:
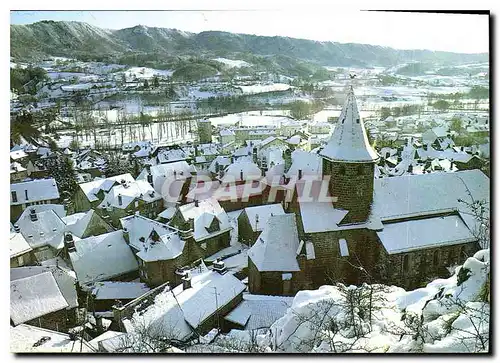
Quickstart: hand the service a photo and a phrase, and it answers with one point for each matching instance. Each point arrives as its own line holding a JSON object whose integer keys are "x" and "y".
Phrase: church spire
{"x": 349, "y": 142}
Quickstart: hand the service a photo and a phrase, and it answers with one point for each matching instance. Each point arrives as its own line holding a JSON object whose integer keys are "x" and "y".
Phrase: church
{"x": 401, "y": 230}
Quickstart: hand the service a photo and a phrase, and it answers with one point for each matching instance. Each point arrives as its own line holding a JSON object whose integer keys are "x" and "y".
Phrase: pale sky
{"x": 448, "y": 32}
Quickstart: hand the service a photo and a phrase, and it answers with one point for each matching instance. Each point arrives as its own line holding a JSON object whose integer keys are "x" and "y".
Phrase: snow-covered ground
{"x": 447, "y": 316}
{"x": 262, "y": 88}
{"x": 253, "y": 118}
{"x": 233, "y": 63}
{"x": 146, "y": 73}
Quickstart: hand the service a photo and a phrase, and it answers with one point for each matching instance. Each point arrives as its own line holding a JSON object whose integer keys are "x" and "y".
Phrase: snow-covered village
{"x": 229, "y": 192}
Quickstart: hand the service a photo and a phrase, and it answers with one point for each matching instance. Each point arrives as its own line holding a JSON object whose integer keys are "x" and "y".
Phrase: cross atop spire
{"x": 349, "y": 142}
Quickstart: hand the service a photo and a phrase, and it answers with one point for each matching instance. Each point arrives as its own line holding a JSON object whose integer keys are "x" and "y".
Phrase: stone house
{"x": 128, "y": 198}
{"x": 43, "y": 296}
{"x": 187, "y": 311}
{"x": 159, "y": 249}
{"x": 21, "y": 253}
{"x": 208, "y": 223}
{"x": 252, "y": 220}
{"x": 90, "y": 195}
{"x": 34, "y": 192}
{"x": 17, "y": 172}
{"x": 103, "y": 295}
{"x": 106, "y": 257}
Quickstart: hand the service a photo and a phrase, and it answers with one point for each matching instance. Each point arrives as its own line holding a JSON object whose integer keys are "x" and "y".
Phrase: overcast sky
{"x": 448, "y": 32}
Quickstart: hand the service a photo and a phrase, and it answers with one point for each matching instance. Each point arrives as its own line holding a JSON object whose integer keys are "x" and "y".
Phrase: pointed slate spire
{"x": 349, "y": 142}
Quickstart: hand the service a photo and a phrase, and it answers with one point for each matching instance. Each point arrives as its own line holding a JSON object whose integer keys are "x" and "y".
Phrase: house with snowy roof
{"x": 101, "y": 258}
{"x": 206, "y": 222}
{"x": 104, "y": 294}
{"x": 44, "y": 296}
{"x": 370, "y": 228}
{"x": 159, "y": 248}
{"x": 21, "y": 253}
{"x": 17, "y": 172}
{"x": 184, "y": 312}
{"x": 26, "y": 338}
{"x": 171, "y": 180}
{"x": 273, "y": 257}
{"x": 90, "y": 195}
{"x": 34, "y": 192}
{"x": 252, "y": 221}
{"x": 130, "y": 197}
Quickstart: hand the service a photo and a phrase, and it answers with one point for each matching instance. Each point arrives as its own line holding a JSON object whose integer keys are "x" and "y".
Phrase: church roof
{"x": 349, "y": 142}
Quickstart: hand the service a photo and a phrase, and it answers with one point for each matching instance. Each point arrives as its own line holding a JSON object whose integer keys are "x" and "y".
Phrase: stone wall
{"x": 352, "y": 184}
{"x": 60, "y": 320}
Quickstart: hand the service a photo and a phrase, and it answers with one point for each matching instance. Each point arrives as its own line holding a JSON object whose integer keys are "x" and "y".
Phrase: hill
{"x": 83, "y": 41}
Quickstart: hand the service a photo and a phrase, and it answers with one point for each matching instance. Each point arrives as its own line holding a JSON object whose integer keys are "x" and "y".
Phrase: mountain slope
{"x": 77, "y": 39}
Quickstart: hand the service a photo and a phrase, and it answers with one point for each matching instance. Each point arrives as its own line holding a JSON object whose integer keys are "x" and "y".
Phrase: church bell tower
{"x": 350, "y": 161}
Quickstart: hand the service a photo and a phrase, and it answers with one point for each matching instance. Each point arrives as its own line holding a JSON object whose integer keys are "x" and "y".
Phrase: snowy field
{"x": 233, "y": 63}
{"x": 146, "y": 73}
{"x": 253, "y": 118}
{"x": 263, "y": 88}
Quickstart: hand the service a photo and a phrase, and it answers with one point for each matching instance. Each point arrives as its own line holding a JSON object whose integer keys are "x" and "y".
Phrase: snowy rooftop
{"x": 30, "y": 339}
{"x": 276, "y": 247}
{"x": 410, "y": 195}
{"x": 140, "y": 230}
{"x": 34, "y": 191}
{"x": 263, "y": 213}
{"x": 163, "y": 317}
{"x": 233, "y": 172}
{"x": 129, "y": 192}
{"x": 179, "y": 170}
{"x": 310, "y": 163}
{"x": 349, "y": 141}
{"x": 107, "y": 290}
{"x": 64, "y": 278}
{"x": 78, "y": 223}
{"x": 203, "y": 216}
{"x": 90, "y": 189}
{"x": 18, "y": 244}
{"x": 35, "y": 296}
{"x": 102, "y": 257}
{"x": 48, "y": 229}
{"x": 424, "y": 233}
{"x": 259, "y": 311}
{"x": 198, "y": 302}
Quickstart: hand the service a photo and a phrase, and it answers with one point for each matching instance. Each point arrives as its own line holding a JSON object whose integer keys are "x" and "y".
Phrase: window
{"x": 462, "y": 255}
{"x": 435, "y": 258}
{"x": 14, "y": 196}
{"x": 342, "y": 170}
{"x": 361, "y": 169}
{"x": 406, "y": 262}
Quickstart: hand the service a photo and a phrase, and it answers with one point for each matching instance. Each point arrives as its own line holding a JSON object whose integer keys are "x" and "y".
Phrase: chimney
{"x": 241, "y": 174}
{"x": 17, "y": 229}
{"x": 461, "y": 148}
{"x": 150, "y": 178}
{"x": 120, "y": 199}
{"x": 410, "y": 168}
{"x": 300, "y": 174}
{"x": 219, "y": 267}
{"x": 69, "y": 242}
{"x": 255, "y": 154}
{"x": 400, "y": 159}
{"x": 232, "y": 159}
{"x": 33, "y": 216}
{"x": 186, "y": 281}
{"x": 425, "y": 147}
{"x": 196, "y": 203}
